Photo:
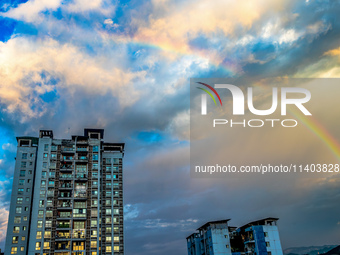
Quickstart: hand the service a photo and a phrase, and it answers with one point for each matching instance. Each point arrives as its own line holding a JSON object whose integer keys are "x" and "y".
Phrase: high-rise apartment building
{"x": 255, "y": 238}
{"x": 67, "y": 196}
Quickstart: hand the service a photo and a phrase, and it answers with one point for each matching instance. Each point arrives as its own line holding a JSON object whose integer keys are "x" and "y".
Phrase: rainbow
{"x": 310, "y": 123}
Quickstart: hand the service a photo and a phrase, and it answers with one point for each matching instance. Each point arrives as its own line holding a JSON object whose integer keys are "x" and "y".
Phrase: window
{"x": 37, "y": 246}
{"x": 48, "y": 224}
{"x": 28, "y": 190}
{"x": 23, "y": 164}
{"x": 43, "y": 183}
{"x": 116, "y": 239}
{"x": 19, "y": 200}
{"x": 45, "y": 147}
{"x": 108, "y": 160}
{"x": 108, "y": 220}
{"x": 15, "y": 239}
{"x": 95, "y": 148}
{"x": 115, "y": 211}
{"x": 108, "y": 249}
{"x": 95, "y": 166}
{"x": 21, "y": 182}
{"x": 22, "y": 248}
{"x": 26, "y": 208}
{"x": 95, "y": 174}
{"x": 79, "y": 224}
{"x": 265, "y": 234}
{"x": 116, "y": 229}
{"x": 227, "y": 246}
{"x": 24, "y": 228}
{"x": 31, "y": 155}
{"x": 40, "y": 223}
{"x": 14, "y": 250}
{"x": 18, "y": 209}
{"x": 25, "y": 218}
{"x": 22, "y": 173}
{"x": 95, "y": 156}
{"x": 108, "y": 229}
{"x": 108, "y": 239}
{"x": 94, "y": 253}
{"x": 47, "y": 234}
{"x": 41, "y": 203}
{"x": 17, "y": 219}
{"x": 47, "y": 245}
{"x": 16, "y": 230}
{"x": 93, "y": 244}
{"x": 108, "y": 211}
{"x": 93, "y": 233}
{"x": 267, "y": 244}
{"x": 108, "y": 202}
{"x": 44, "y": 164}
{"x": 116, "y": 248}
{"x": 226, "y": 236}
{"x": 115, "y": 220}
{"x": 45, "y": 155}
{"x": 42, "y": 193}
{"x": 49, "y": 203}
{"x": 27, "y": 199}
{"x": 38, "y": 235}
{"x": 24, "y": 156}
{"x": 43, "y": 174}
{"x": 31, "y": 163}
{"x": 93, "y": 223}
{"x": 29, "y": 181}
{"x": 23, "y": 238}
{"x": 49, "y": 213}
{"x": 40, "y": 214}
{"x": 29, "y": 171}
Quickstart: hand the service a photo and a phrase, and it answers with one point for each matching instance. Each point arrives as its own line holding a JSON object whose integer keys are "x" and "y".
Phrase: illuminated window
{"x": 108, "y": 249}
{"x": 23, "y": 238}
{"x": 14, "y": 250}
{"x": 38, "y": 235}
{"x": 108, "y": 239}
{"x": 93, "y": 244}
{"x": 39, "y": 224}
{"x": 16, "y": 230}
{"x": 37, "y": 246}
{"x": 116, "y": 239}
{"x": 46, "y": 245}
{"x": 17, "y": 219}
{"x": 116, "y": 248}
{"x": 15, "y": 239}
{"x": 22, "y": 248}
{"x": 18, "y": 209}
{"x": 47, "y": 234}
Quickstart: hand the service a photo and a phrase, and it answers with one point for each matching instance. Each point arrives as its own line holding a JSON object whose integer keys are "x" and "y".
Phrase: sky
{"x": 125, "y": 66}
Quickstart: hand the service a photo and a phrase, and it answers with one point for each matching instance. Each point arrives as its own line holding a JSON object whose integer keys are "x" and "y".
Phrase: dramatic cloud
{"x": 125, "y": 66}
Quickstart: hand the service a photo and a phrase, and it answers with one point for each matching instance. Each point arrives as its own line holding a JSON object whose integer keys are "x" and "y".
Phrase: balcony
{"x": 83, "y": 149}
{"x": 64, "y": 225}
{"x": 66, "y": 176}
{"x": 64, "y": 205}
{"x": 66, "y": 186}
{"x": 67, "y": 158}
{"x": 67, "y": 149}
{"x": 66, "y": 167}
{"x": 81, "y": 158}
{"x": 79, "y": 234}
{"x": 66, "y": 195}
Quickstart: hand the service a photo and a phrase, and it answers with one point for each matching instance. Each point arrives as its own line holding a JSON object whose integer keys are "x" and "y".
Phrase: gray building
{"x": 67, "y": 196}
{"x": 255, "y": 238}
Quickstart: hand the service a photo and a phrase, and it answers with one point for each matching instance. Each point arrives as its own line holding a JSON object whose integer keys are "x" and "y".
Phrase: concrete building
{"x": 67, "y": 196}
{"x": 255, "y": 238}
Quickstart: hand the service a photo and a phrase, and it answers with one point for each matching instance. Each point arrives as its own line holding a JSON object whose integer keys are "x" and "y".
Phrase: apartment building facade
{"x": 217, "y": 237}
{"x": 67, "y": 196}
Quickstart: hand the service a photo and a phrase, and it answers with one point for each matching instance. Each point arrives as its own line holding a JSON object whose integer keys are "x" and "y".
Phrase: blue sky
{"x": 125, "y": 66}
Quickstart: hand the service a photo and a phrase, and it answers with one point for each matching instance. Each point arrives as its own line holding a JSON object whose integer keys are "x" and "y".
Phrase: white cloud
{"x": 9, "y": 147}
{"x": 23, "y": 60}
{"x": 31, "y": 10}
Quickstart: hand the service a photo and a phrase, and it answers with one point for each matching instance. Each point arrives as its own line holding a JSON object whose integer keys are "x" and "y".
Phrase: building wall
{"x": 274, "y": 240}
{"x": 22, "y": 172}
{"x": 77, "y": 202}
